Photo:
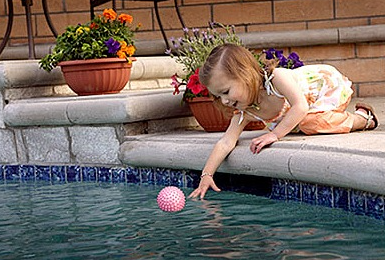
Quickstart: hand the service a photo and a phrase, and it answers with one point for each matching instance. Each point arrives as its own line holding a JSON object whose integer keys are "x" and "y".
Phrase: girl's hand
{"x": 205, "y": 183}
{"x": 258, "y": 143}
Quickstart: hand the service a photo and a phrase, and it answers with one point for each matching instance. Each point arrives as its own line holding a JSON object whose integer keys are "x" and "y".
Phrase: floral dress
{"x": 325, "y": 88}
{"x": 327, "y": 92}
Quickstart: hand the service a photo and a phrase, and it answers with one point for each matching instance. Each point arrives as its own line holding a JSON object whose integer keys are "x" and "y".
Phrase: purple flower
{"x": 279, "y": 54}
{"x": 112, "y": 45}
{"x": 294, "y": 58}
{"x": 297, "y": 64}
{"x": 270, "y": 54}
{"x": 211, "y": 38}
{"x": 174, "y": 43}
{"x": 291, "y": 62}
{"x": 205, "y": 37}
{"x": 283, "y": 62}
{"x": 196, "y": 32}
{"x": 273, "y": 54}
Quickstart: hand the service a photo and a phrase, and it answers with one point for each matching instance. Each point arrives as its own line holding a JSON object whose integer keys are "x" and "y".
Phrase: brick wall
{"x": 363, "y": 63}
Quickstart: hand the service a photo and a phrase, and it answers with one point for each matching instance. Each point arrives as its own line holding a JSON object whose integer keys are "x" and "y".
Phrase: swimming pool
{"x": 99, "y": 220}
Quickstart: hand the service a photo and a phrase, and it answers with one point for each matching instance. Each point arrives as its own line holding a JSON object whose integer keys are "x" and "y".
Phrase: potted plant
{"x": 95, "y": 57}
{"x": 191, "y": 51}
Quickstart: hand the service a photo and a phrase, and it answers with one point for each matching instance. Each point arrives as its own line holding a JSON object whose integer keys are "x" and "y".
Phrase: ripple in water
{"x": 117, "y": 221}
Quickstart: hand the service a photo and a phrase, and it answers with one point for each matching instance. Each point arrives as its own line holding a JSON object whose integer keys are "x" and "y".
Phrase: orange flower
{"x": 123, "y": 45}
{"x": 121, "y": 54}
{"x": 130, "y": 50}
{"x": 109, "y": 14}
{"x": 94, "y": 26}
{"x": 125, "y": 18}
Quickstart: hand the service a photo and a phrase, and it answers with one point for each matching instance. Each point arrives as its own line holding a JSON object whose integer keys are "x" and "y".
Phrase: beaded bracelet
{"x": 206, "y": 174}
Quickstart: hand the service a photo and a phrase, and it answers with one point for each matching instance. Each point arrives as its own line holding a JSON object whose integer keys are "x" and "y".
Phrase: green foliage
{"x": 194, "y": 47}
{"x": 90, "y": 40}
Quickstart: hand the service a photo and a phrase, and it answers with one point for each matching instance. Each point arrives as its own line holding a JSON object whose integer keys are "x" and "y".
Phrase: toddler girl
{"x": 311, "y": 99}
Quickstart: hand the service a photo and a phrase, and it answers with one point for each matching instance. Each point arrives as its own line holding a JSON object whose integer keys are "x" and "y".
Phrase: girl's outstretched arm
{"x": 221, "y": 149}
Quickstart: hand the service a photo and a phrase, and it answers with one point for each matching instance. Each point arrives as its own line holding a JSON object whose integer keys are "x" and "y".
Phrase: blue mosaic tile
{"x": 325, "y": 196}
{"x": 176, "y": 178}
{"x": 104, "y": 174}
{"x": 27, "y": 172}
{"x": 12, "y": 172}
{"x": 357, "y": 202}
{"x": 309, "y": 193}
{"x": 192, "y": 179}
{"x": 341, "y": 198}
{"x": 89, "y": 173}
{"x": 162, "y": 177}
{"x": 293, "y": 190}
{"x": 133, "y": 175}
{"x": 375, "y": 205}
{"x": 58, "y": 173}
{"x": 74, "y": 173}
{"x": 2, "y": 175}
{"x": 278, "y": 189}
{"x": 147, "y": 176}
{"x": 43, "y": 172}
{"x": 118, "y": 175}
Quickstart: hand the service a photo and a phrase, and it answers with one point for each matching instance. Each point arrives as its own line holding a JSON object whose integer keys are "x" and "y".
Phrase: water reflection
{"x": 124, "y": 222}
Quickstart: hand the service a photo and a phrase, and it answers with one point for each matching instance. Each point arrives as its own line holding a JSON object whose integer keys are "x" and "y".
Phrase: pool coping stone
{"x": 354, "y": 160}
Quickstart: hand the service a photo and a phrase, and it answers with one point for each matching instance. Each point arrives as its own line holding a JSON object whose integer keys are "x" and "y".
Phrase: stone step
{"x": 133, "y": 106}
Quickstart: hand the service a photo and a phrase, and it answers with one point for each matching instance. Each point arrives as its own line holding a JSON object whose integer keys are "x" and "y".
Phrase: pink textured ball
{"x": 171, "y": 199}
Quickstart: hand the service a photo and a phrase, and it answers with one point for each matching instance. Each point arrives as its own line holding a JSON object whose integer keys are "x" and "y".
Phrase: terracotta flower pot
{"x": 207, "y": 115}
{"x": 211, "y": 118}
{"x": 96, "y": 76}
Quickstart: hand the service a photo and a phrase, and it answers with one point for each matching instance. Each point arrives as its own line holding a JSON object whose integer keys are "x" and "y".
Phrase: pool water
{"x": 39, "y": 220}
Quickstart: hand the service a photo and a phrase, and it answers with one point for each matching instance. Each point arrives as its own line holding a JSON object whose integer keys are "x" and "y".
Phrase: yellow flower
{"x": 81, "y": 29}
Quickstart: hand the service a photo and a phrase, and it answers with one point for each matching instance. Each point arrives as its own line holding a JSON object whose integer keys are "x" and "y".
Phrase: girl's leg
{"x": 327, "y": 122}
{"x": 336, "y": 122}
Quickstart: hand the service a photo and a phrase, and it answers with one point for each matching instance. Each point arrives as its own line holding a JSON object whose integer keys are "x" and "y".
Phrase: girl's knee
{"x": 326, "y": 123}
{"x": 311, "y": 124}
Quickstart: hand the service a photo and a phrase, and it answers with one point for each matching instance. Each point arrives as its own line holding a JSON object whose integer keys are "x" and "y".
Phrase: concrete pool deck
{"x": 355, "y": 160}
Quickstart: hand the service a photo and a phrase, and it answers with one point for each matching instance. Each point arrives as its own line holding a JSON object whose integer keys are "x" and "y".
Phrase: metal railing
{"x": 27, "y": 5}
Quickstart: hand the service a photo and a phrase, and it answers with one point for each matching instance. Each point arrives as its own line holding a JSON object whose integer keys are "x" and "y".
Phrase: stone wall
{"x": 42, "y": 122}
{"x": 60, "y": 145}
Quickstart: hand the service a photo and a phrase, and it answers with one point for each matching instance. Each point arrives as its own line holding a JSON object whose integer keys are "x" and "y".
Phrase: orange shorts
{"x": 337, "y": 121}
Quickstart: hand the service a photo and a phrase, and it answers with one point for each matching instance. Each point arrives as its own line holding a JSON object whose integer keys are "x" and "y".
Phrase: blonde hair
{"x": 238, "y": 63}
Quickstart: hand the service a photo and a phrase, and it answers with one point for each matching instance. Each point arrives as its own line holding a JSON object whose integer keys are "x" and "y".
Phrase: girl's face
{"x": 232, "y": 92}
